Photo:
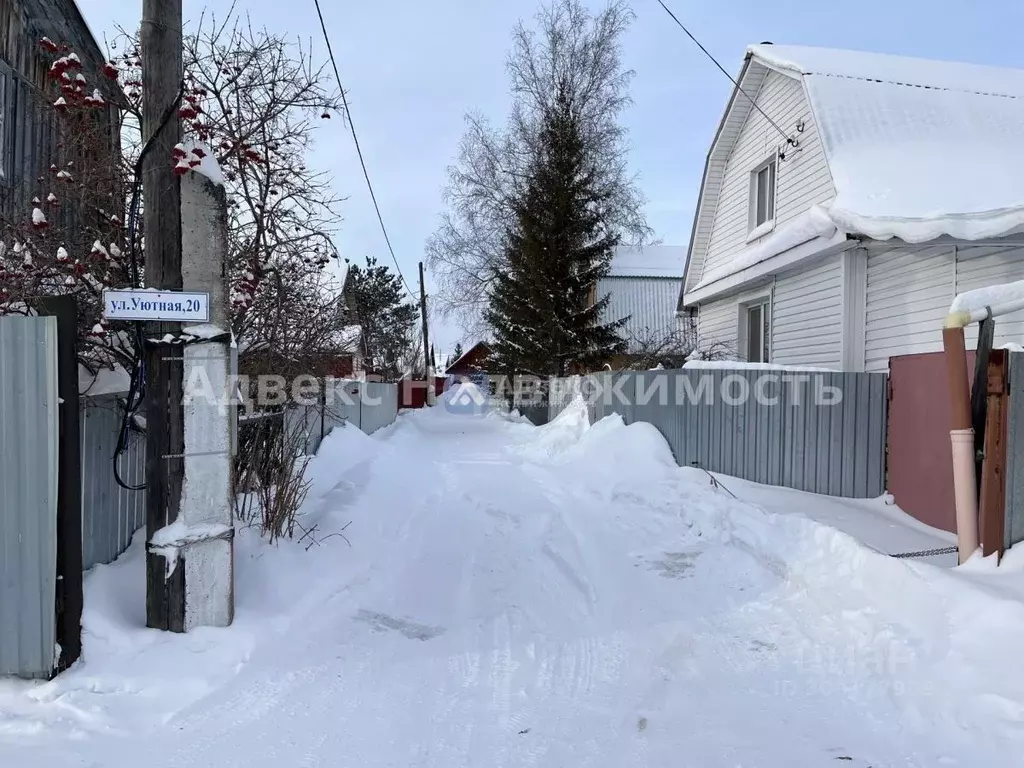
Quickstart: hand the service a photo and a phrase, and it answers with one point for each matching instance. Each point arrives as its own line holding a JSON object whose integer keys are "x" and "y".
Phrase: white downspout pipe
{"x": 965, "y": 487}
{"x": 961, "y": 435}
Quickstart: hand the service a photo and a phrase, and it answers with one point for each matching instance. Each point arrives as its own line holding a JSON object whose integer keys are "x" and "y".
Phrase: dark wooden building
{"x": 474, "y": 360}
{"x": 28, "y": 136}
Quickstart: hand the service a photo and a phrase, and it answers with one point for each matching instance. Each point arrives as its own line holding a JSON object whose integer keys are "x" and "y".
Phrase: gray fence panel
{"x": 347, "y": 405}
{"x": 28, "y": 495}
{"x": 380, "y": 406}
{"x": 823, "y": 432}
{"x": 110, "y": 514}
{"x": 1014, "y": 528}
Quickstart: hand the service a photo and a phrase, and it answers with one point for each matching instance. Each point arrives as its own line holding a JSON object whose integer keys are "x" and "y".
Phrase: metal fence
{"x": 818, "y": 432}
{"x": 367, "y": 405}
{"x": 1014, "y": 530}
{"x": 110, "y": 514}
{"x": 29, "y": 432}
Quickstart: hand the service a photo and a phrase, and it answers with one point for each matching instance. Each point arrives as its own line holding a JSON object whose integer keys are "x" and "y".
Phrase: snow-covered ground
{"x": 558, "y": 596}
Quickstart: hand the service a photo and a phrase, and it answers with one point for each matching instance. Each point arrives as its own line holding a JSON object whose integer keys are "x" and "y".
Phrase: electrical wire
{"x": 137, "y": 377}
{"x": 787, "y": 137}
{"x": 359, "y": 151}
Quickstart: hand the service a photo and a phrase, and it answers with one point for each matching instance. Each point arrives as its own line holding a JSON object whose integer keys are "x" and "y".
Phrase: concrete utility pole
{"x": 161, "y": 79}
{"x": 205, "y": 543}
{"x": 426, "y": 341}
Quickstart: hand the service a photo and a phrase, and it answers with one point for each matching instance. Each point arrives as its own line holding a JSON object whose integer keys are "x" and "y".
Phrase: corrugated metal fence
{"x": 818, "y": 432}
{"x": 367, "y": 405}
{"x": 1014, "y": 531}
{"x": 29, "y": 431}
{"x": 110, "y": 514}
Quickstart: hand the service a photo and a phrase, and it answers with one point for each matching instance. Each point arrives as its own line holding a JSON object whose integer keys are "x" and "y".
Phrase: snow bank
{"x": 560, "y": 434}
{"x": 611, "y": 449}
{"x": 802, "y": 229}
{"x": 896, "y": 629}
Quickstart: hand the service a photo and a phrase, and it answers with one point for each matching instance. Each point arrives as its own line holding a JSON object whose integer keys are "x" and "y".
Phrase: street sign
{"x": 170, "y": 306}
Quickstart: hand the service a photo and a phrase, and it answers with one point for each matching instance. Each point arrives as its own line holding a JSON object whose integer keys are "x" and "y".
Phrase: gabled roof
{"x": 650, "y": 261}
{"x": 917, "y": 149}
{"x": 480, "y": 345}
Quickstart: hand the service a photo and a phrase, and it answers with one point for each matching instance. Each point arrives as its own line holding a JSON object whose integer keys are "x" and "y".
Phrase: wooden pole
{"x": 428, "y": 374}
{"x": 161, "y": 80}
{"x": 992, "y": 509}
{"x": 961, "y": 433}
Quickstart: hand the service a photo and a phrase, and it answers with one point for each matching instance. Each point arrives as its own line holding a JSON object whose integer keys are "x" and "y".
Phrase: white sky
{"x": 412, "y": 69}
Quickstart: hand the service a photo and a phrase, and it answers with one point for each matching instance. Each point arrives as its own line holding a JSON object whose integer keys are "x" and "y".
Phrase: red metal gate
{"x": 920, "y": 462}
{"x": 413, "y": 394}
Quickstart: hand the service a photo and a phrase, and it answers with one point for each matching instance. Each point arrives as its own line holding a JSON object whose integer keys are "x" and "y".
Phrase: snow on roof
{"x": 105, "y": 381}
{"x": 807, "y": 226}
{"x": 899, "y": 70}
{"x": 917, "y": 149}
{"x": 649, "y": 261}
{"x": 347, "y": 338}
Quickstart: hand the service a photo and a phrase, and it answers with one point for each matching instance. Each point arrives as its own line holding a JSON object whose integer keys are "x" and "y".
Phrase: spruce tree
{"x": 375, "y": 299}
{"x": 559, "y": 245}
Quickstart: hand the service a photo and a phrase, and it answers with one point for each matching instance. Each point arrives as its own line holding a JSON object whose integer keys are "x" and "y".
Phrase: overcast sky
{"x": 412, "y": 69}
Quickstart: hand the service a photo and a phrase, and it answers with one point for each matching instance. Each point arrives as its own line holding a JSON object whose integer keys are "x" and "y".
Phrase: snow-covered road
{"x": 553, "y": 597}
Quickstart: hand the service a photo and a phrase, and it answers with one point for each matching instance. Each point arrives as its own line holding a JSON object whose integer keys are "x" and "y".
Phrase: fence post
{"x": 69, "y": 483}
{"x": 993, "y": 475}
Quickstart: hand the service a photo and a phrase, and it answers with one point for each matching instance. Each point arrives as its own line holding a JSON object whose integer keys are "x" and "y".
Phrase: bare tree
{"x": 250, "y": 99}
{"x": 570, "y": 45}
{"x": 668, "y": 348}
{"x": 62, "y": 219}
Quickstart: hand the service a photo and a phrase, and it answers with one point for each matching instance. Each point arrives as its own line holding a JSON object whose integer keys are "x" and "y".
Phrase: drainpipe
{"x": 961, "y": 434}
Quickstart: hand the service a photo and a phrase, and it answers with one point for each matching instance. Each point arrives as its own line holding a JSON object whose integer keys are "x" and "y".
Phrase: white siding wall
{"x": 908, "y": 295}
{"x": 807, "y": 322}
{"x": 803, "y": 177}
{"x": 982, "y": 266}
{"x": 718, "y": 322}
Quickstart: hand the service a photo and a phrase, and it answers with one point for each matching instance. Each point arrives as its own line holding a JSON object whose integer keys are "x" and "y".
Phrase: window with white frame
{"x": 757, "y": 330}
{"x": 762, "y": 194}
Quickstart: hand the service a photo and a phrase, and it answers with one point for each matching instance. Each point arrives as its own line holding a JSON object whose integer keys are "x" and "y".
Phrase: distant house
{"x": 347, "y": 352}
{"x": 472, "y": 361}
{"x": 847, "y": 197}
{"x": 27, "y": 137}
{"x": 643, "y": 286}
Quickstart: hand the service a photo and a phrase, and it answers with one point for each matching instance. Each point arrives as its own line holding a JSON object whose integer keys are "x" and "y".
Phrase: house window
{"x": 762, "y": 195}
{"x": 757, "y": 331}
{"x": 5, "y": 110}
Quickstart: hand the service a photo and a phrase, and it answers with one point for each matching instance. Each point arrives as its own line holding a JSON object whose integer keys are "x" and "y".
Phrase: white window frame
{"x": 755, "y": 228}
{"x": 763, "y": 304}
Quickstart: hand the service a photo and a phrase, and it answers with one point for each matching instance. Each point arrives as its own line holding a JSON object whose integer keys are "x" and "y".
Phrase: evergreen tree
{"x": 560, "y": 244}
{"x": 456, "y": 353}
{"x": 374, "y": 298}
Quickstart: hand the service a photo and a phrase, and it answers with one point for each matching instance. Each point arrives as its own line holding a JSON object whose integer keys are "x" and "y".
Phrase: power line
{"x": 359, "y": 151}
{"x": 732, "y": 79}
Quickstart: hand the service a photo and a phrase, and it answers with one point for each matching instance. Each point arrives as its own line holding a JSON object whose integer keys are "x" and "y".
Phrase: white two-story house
{"x": 847, "y": 198}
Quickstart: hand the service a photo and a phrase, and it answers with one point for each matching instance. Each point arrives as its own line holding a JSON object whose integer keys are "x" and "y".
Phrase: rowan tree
{"x": 250, "y": 99}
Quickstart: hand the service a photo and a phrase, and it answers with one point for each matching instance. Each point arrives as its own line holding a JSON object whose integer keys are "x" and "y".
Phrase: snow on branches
{"x": 249, "y": 105}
